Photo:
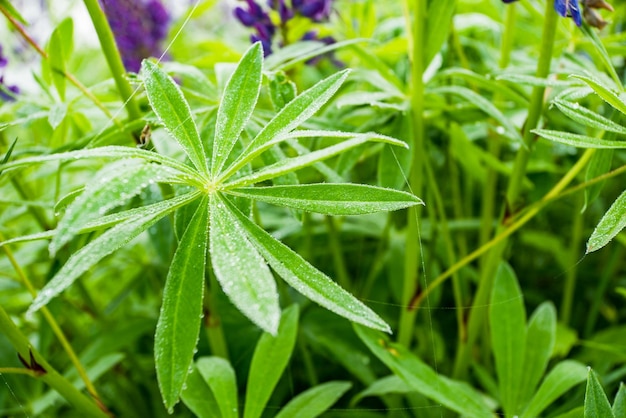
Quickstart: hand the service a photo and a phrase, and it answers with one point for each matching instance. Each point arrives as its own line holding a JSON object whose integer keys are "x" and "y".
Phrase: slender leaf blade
{"x": 611, "y": 224}
{"x": 314, "y": 401}
{"x": 596, "y": 402}
{"x": 564, "y": 376}
{"x": 199, "y": 397}
{"x": 105, "y": 244}
{"x": 170, "y": 106}
{"x": 507, "y": 319}
{"x": 305, "y": 278}
{"x": 179, "y": 321}
{"x": 290, "y": 117}
{"x": 240, "y": 270}
{"x": 332, "y": 199}
{"x": 454, "y": 395}
{"x": 579, "y": 141}
{"x": 269, "y": 360}
{"x": 238, "y": 101}
{"x": 588, "y": 117}
{"x": 220, "y": 376}
{"x": 604, "y": 92}
{"x": 619, "y": 405}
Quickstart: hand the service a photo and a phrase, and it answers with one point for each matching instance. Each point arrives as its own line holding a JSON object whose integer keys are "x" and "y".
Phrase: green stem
{"x": 45, "y": 371}
{"x": 112, "y": 55}
{"x": 570, "y": 275}
{"x": 416, "y": 29}
{"x": 341, "y": 272}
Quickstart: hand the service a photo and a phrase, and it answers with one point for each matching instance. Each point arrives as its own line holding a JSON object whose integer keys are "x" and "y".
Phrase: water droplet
{"x": 500, "y": 130}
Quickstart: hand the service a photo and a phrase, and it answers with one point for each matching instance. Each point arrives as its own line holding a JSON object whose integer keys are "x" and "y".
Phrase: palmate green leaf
{"x": 290, "y": 117}
{"x": 112, "y": 151}
{"x": 331, "y": 199}
{"x": 303, "y": 277}
{"x": 115, "y": 185}
{"x": 507, "y": 320}
{"x": 454, "y": 395}
{"x": 314, "y": 401}
{"x": 269, "y": 360}
{"x": 291, "y": 164}
{"x": 596, "y": 403}
{"x": 220, "y": 376}
{"x": 611, "y": 224}
{"x": 240, "y": 270}
{"x": 564, "y": 376}
{"x": 198, "y": 396}
{"x": 238, "y": 101}
{"x": 179, "y": 321}
{"x": 105, "y": 244}
{"x": 587, "y": 117}
{"x": 580, "y": 141}
{"x": 174, "y": 112}
{"x": 540, "y": 340}
{"x": 605, "y": 92}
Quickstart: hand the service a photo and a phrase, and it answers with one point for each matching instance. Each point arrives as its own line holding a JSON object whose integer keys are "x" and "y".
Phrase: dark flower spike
{"x": 569, "y": 8}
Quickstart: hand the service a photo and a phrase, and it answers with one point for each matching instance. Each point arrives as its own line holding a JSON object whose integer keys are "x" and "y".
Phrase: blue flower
{"x": 569, "y": 8}
{"x": 255, "y": 17}
{"x": 7, "y": 93}
{"x": 316, "y": 10}
{"x": 139, "y": 27}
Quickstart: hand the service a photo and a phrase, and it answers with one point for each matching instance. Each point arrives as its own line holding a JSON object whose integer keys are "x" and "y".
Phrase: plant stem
{"x": 53, "y": 324}
{"x": 112, "y": 55}
{"x": 46, "y": 372}
{"x": 341, "y": 271}
{"x": 416, "y": 34}
{"x": 570, "y": 276}
{"x": 66, "y": 74}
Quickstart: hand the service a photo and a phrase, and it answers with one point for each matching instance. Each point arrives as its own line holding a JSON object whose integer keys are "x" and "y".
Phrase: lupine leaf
{"x": 179, "y": 321}
{"x": 240, "y": 270}
{"x": 269, "y": 360}
{"x": 199, "y": 397}
{"x": 454, "y": 395}
{"x": 604, "y": 92}
{"x": 174, "y": 112}
{"x": 507, "y": 319}
{"x": 238, "y": 101}
{"x": 290, "y": 117}
{"x": 558, "y": 381}
{"x": 59, "y": 50}
{"x": 305, "y": 278}
{"x": 596, "y": 402}
{"x": 588, "y": 117}
{"x": 580, "y": 141}
{"x": 113, "y": 186}
{"x": 611, "y": 224}
{"x": 314, "y": 401}
{"x": 619, "y": 405}
{"x": 331, "y": 199}
{"x": 220, "y": 376}
{"x": 599, "y": 164}
{"x": 105, "y": 244}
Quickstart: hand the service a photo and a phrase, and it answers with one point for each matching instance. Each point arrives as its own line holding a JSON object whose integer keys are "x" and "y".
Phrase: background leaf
{"x": 611, "y": 224}
{"x": 596, "y": 403}
{"x": 314, "y": 401}
{"x": 220, "y": 376}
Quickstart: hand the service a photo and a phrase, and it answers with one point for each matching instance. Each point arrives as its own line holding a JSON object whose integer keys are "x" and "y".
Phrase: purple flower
{"x": 139, "y": 27}
{"x": 256, "y": 18}
{"x": 316, "y": 10}
{"x": 569, "y": 8}
{"x": 7, "y": 93}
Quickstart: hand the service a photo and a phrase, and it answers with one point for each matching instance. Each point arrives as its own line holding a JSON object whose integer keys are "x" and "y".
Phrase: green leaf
{"x": 114, "y": 152}
{"x": 507, "y": 320}
{"x": 291, "y": 164}
{"x": 314, "y": 401}
{"x": 580, "y": 141}
{"x": 179, "y": 321}
{"x": 438, "y": 26}
{"x": 619, "y": 405}
{"x": 105, "y": 244}
{"x": 596, "y": 403}
{"x": 198, "y": 396}
{"x": 600, "y": 164}
{"x": 564, "y": 376}
{"x": 587, "y": 117}
{"x": 540, "y": 340}
{"x": 115, "y": 185}
{"x": 384, "y": 386}
{"x": 454, "y": 395}
{"x": 290, "y": 117}
{"x": 269, "y": 360}
{"x": 240, "y": 270}
{"x": 174, "y": 112}
{"x": 604, "y": 92}
{"x": 484, "y": 105}
{"x": 59, "y": 50}
{"x": 238, "y": 101}
{"x": 220, "y": 376}
{"x": 599, "y": 50}
{"x": 305, "y": 278}
{"x": 331, "y": 199}
{"x": 611, "y": 224}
